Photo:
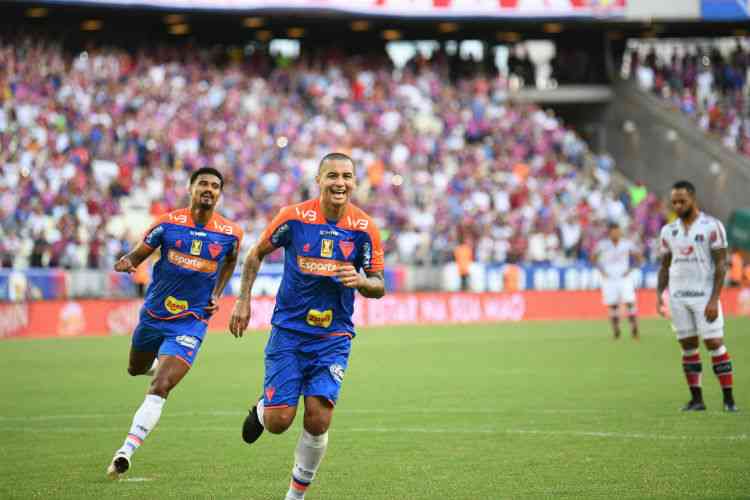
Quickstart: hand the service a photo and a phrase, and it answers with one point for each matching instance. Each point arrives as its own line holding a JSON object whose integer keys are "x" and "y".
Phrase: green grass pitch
{"x": 528, "y": 410}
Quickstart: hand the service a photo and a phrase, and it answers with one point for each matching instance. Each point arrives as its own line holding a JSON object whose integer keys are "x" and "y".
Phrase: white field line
{"x": 237, "y": 413}
{"x": 417, "y": 430}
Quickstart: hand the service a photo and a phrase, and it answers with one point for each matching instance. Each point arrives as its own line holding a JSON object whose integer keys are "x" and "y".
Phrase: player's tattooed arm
{"x": 131, "y": 260}
{"x": 719, "y": 257}
{"x": 241, "y": 311}
{"x": 663, "y": 281}
{"x": 374, "y": 287}
{"x": 371, "y": 286}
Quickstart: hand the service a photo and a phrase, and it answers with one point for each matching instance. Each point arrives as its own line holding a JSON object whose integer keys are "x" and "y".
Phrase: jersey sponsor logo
{"x": 322, "y": 319}
{"x": 214, "y": 249}
{"x": 686, "y": 250}
{"x": 337, "y": 372}
{"x": 326, "y": 248}
{"x": 192, "y": 263}
{"x": 328, "y": 232}
{"x": 175, "y": 305}
{"x": 357, "y": 223}
{"x": 195, "y": 247}
{"x": 187, "y": 341}
{"x": 347, "y": 247}
{"x": 224, "y": 228}
{"x": 307, "y": 215}
{"x": 318, "y": 267}
{"x": 688, "y": 294}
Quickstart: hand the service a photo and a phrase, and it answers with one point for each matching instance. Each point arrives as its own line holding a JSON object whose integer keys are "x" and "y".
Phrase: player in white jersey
{"x": 693, "y": 266}
{"x": 613, "y": 257}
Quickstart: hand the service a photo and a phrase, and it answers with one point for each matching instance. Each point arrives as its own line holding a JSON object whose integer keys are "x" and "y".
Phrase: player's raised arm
{"x": 241, "y": 311}
{"x": 131, "y": 260}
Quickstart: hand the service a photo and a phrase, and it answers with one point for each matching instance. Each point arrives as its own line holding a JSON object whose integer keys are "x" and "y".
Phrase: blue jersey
{"x": 311, "y": 300}
{"x": 191, "y": 257}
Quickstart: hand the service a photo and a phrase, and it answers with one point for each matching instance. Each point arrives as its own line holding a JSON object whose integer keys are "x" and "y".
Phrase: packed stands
{"x": 706, "y": 80}
{"x": 96, "y": 142}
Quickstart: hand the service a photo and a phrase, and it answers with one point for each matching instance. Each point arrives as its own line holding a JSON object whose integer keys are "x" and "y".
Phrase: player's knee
{"x": 317, "y": 422}
{"x": 713, "y": 344}
{"x": 278, "y": 422}
{"x": 161, "y": 386}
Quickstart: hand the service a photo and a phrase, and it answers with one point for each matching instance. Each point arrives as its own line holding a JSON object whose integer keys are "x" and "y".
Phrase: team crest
{"x": 214, "y": 249}
{"x": 326, "y": 248}
{"x": 195, "y": 247}
{"x": 699, "y": 237}
{"x": 346, "y": 248}
{"x": 674, "y": 232}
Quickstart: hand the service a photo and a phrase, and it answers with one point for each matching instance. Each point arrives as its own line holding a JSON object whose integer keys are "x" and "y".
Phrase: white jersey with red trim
{"x": 691, "y": 274}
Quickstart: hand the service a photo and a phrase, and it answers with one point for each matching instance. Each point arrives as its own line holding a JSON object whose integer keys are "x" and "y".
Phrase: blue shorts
{"x": 181, "y": 337}
{"x": 300, "y": 364}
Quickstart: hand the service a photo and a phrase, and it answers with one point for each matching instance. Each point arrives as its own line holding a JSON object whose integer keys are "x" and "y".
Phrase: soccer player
{"x": 613, "y": 257}
{"x": 693, "y": 265}
{"x": 198, "y": 256}
{"x": 328, "y": 242}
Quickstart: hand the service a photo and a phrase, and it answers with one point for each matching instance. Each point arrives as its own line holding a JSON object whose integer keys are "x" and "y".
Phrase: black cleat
{"x": 694, "y": 406}
{"x": 251, "y": 428}
{"x": 119, "y": 466}
{"x": 730, "y": 407}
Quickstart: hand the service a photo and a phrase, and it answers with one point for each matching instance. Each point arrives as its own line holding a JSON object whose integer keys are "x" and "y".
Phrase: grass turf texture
{"x": 530, "y": 410}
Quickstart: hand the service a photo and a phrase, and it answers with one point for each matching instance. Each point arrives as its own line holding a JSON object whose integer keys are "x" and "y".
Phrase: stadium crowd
{"x": 94, "y": 142}
{"x": 704, "y": 82}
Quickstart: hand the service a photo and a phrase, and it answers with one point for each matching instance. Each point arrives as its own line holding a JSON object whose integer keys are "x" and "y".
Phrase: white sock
{"x": 307, "y": 458}
{"x": 144, "y": 421}
{"x": 260, "y": 409}
{"x": 154, "y": 366}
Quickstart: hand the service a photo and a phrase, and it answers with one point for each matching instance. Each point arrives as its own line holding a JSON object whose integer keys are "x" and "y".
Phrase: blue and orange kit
{"x": 311, "y": 299}
{"x": 191, "y": 256}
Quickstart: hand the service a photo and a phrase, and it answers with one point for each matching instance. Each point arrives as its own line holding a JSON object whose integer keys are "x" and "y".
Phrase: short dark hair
{"x": 334, "y": 157}
{"x": 207, "y": 170}
{"x": 686, "y": 185}
{"x": 612, "y": 225}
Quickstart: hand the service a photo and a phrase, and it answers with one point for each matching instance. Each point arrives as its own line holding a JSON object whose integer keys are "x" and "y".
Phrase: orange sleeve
{"x": 376, "y": 259}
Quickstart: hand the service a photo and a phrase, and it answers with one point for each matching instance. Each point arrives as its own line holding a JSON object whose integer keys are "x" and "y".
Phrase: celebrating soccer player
{"x": 328, "y": 242}
{"x": 198, "y": 255}
{"x": 693, "y": 265}
{"x": 613, "y": 258}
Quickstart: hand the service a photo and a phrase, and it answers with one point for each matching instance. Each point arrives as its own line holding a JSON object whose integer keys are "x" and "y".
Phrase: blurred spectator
{"x": 706, "y": 83}
{"x": 94, "y": 144}
{"x": 463, "y": 254}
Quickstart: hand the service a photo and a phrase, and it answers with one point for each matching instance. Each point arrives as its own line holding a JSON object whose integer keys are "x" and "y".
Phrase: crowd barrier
{"x": 102, "y": 317}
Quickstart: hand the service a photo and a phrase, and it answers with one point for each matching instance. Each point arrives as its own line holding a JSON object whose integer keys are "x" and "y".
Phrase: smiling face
{"x": 336, "y": 181}
{"x": 205, "y": 191}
